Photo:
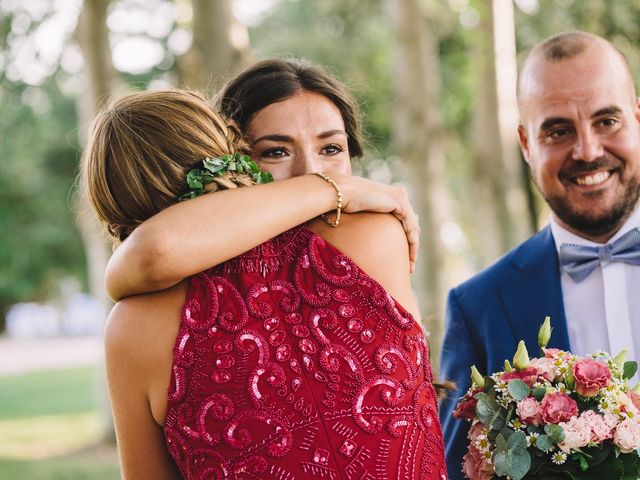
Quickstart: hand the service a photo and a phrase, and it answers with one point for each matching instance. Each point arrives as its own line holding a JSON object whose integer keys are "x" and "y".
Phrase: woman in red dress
{"x": 291, "y": 360}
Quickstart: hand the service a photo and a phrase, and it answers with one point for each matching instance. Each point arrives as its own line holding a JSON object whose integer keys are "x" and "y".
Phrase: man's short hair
{"x": 565, "y": 46}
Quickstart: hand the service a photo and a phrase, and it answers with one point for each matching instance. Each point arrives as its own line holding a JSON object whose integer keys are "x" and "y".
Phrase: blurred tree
{"x": 220, "y": 45}
{"x": 39, "y": 244}
{"x": 500, "y": 219}
{"x": 92, "y": 36}
{"x": 417, "y": 134}
{"x": 353, "y": 39}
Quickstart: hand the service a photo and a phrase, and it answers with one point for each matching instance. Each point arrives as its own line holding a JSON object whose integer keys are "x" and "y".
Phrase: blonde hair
{"x": 141, "y": 148}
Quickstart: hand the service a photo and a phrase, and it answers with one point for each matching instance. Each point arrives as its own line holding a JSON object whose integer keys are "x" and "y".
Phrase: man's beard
{"x": 594, "y": 226}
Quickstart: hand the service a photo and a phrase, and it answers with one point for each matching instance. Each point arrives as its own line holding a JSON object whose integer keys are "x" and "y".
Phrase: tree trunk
{"x": 499, "y": 203}
{"x": 220, "y": 46}
{"x": 93, "y": 38}
{"x": 418, "y": 138}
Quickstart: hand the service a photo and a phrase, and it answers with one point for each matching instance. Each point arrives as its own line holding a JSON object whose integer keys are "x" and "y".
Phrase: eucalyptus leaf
{"x": 506, "y": 432}
{"x": 544, "y": 443}
{"x": 501, "y": 442}
{"x": 517, "y": 442}
{"x": 518, "y": 389}
{"x": 486, "y": 408}
{"x": 520, "y": 465}
{"x": 555, "y": 432}
{"x": 502, "y": 463}
{"x": 538, "y": 393}
{"x": 499, "y": 419}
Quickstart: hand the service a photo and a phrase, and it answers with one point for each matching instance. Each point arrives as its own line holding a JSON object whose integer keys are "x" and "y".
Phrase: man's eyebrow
{"x": 553, "y": 121}
{"x": 274, "y": 138}
{"x": 613, "y": 110}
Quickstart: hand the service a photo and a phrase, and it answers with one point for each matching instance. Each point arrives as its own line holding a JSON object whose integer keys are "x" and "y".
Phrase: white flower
{"x": 532, "y": 439}
{"x": 500, "y": 386}
{"x": 482, "y": 442}
{"x": 559, "y": 457}
{"x": 516, "y": 424}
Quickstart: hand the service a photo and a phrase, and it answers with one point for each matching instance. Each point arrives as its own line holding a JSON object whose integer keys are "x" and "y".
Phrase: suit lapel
{"x": 532, "y": 291}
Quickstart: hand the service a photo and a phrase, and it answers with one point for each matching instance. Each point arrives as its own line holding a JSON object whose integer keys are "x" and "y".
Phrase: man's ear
{"x": 524, "y": 142}
{"x": 637, "y": 112}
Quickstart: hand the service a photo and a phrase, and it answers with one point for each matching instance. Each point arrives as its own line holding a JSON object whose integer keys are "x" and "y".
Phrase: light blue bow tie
{"x": 580, "y": 260}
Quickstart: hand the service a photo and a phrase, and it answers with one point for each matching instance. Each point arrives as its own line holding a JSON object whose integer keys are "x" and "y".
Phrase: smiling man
{"x": 580, "y": 135}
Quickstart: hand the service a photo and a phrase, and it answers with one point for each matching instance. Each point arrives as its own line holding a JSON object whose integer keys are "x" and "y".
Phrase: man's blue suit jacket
{"x": 487, "y": 316}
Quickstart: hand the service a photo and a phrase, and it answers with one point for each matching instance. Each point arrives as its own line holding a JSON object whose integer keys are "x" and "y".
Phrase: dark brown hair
{"x": 275, "y": 80}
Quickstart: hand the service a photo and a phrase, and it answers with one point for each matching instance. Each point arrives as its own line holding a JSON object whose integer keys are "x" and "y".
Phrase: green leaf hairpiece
{"x": 236, "y": 164}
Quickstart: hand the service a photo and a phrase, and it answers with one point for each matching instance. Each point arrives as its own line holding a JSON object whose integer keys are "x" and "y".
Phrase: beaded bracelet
{"x": 326, "y": 178}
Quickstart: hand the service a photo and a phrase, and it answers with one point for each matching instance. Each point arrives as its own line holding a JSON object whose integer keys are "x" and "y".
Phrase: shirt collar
{"x": 562, "y": 235}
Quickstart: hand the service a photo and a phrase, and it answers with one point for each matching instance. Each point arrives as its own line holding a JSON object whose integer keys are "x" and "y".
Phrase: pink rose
{"x": 475, "y": 465}
{"x": 601, "y": 430}
{"x": 557, "y": 407}
{"x": 528, "y": 410}
{"x": 635, "y": 399}
{"x": 590, "y": 376}
{"x": 466, "y": 407}
{"x": 475, "y": 431}
{"x": 545, "y": 367}
{"x": 627, "y": 435}
{"x": 529, "y": 375}
{"x": 577, "y": 433}
{"x": 611, "y": 420}
{"x": 550, "y": 352}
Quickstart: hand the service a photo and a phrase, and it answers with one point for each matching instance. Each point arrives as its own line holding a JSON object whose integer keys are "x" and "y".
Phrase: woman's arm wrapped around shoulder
{"x": 192, "y": 236}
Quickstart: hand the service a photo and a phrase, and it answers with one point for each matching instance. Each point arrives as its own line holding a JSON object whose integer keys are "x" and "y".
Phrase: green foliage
{"x": 629, "y": 369}
{"x": 555, "y": 433}
{"x": 518, "y": 389}
{"x": 538, "y": 393}
{"x": 40, "y": 243}
{"x": 511, "y": 457}
{"x": 197, "y": 178}
{"x": 318, "y": 31}
{"x": 39, "y": 152}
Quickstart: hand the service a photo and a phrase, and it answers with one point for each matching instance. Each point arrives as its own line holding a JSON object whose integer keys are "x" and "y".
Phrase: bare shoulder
{"x": 378, "y": 244}
{"x": 140, "y": 313}
{"x": 141, "y": 327}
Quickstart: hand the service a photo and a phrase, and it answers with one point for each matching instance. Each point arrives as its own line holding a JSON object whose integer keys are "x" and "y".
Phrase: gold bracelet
{"x": 326, "y": 178}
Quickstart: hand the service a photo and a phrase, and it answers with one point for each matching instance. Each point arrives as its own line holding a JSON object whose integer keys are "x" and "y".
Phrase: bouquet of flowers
{"x": 558, "y": 416}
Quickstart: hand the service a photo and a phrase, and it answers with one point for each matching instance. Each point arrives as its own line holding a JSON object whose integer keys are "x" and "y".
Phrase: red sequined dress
{"x": 292, "y": 363}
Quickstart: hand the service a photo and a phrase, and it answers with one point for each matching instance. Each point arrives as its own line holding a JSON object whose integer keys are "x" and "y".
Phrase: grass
{"x": 51, "y": 426}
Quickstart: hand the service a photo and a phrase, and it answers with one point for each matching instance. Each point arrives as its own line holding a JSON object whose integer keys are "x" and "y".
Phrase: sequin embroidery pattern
{"x": 291, "y": 363}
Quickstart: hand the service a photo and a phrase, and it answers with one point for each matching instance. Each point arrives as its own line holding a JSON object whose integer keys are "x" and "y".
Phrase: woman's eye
{"x": 274, "y": 153}
{"x": 332, "y": 149}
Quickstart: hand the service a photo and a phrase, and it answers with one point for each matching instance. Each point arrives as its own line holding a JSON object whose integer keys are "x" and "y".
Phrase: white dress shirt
{"x": 603, "y": 310}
